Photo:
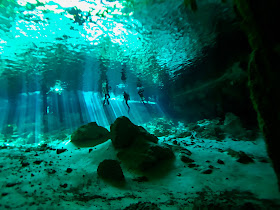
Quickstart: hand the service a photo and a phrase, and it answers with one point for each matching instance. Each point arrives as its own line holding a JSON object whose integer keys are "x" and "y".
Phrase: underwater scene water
{"x": 129, "y": 104}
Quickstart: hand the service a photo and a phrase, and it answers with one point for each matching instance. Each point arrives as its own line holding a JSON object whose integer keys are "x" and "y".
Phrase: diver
{"x": 139, "y": 83}
{"x": 140, "y": 90}
{"x": 123, "y": 77}
{"x": 126, "y": 98}
{"x": 105, "y": 90}
{"x": 140, "y": 93}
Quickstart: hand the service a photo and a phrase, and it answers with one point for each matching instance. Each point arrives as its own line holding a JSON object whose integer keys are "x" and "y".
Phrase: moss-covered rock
{"x": 124, "y": 133}
{"x": 137, "y": 148}
{"x": 90, "y": 135}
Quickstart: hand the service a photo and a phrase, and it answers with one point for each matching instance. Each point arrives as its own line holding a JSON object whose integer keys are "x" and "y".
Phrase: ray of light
{"x": 4, "y": 109}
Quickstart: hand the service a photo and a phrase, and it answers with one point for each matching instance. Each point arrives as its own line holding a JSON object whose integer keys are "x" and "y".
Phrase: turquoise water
{"x": 58, "y": 59}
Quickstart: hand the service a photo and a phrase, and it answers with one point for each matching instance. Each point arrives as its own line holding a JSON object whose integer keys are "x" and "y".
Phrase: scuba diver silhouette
{"x": 123, "y": 77}
{"x": 126, "y": 98}
{"x": 105, "y": 90}
{"x": 140, "y": 93}
{"x": 140, "y": 89}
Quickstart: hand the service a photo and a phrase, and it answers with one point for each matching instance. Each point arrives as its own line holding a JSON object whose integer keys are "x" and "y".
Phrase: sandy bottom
{"x": 36, "y": 177}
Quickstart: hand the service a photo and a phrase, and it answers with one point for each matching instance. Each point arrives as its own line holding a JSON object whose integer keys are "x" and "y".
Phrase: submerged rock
{"x": 58, "y": 151}
{"x": 11, "y": 184}
{"x": 137, "y": 148}
{"x": 207, "y": 129}
{"x": 232, "y": 153}
{"x": 24, "y": 164}
{"x": 142, "y": 205}
{"x": 186, "y": 151}
{"x": 211, "y": 131}
{"x": 220, "y": 161}
{"x": 111, "y": 171}
{"x": 144, "y": 156}
{"x": 90, "y": 135}
{"x": 192, "y": 165}
{"x": 184, "y": 134}
{"x": 69, "y": 170}
{"x": 207, "y": 171}
{"x": 186, "y": 159}
{"x": 218, "y": 129}
{"x": 244, "y": 158}
{"x": 124, "y": 133}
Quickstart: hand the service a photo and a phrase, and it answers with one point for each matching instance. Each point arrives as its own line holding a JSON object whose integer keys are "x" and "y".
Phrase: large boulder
{"x": 137, "y": 149}
{"x": 90, "y": 135}
{"x": 124, "y": 133}
{"x": 144, "y": 156}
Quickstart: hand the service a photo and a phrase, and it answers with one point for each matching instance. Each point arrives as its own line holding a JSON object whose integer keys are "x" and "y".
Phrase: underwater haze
{"x": 56, "y": 56}
{"x": 158, "y": 85}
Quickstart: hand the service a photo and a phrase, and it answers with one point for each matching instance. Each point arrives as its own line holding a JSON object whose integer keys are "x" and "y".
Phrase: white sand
{"x": 86, "y": 191}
